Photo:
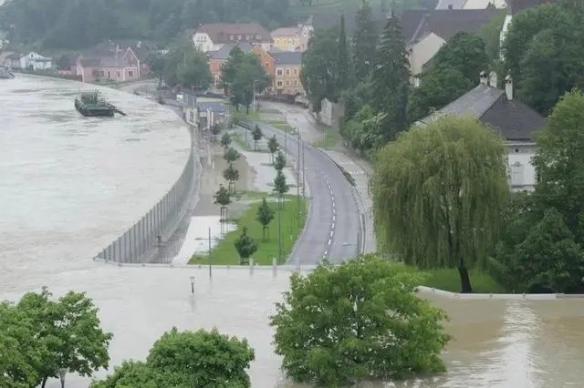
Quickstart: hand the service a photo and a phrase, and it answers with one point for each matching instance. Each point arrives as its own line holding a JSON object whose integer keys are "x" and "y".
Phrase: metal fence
{"x": 135, "y": 245}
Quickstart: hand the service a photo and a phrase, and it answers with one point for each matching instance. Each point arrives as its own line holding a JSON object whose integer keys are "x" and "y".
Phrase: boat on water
{"x": 5, "y": 73}
{"x": 93, "y": 104}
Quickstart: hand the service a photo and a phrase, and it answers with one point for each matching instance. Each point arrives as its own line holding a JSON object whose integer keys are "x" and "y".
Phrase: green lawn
{"x": 238, "y": 139}
{"x": 448, "y": 280}
{"x": 280, "y": 124}
{"x": 224, "y": 252}
{"x": 330, "y": 139}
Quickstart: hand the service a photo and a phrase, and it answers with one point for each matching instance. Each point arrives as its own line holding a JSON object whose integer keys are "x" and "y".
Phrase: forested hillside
{"x": 74, "y": 24}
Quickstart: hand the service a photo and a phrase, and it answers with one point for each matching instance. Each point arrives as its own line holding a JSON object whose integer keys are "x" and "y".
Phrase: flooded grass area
{"x": 448, "y": 279}
{"x": 287, "y": 221}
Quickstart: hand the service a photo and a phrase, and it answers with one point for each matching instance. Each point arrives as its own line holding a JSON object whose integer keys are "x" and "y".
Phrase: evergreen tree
{"x": 390, "y": 84}
{"x": 364, "y": 42}
{"x": 343, "y": 76}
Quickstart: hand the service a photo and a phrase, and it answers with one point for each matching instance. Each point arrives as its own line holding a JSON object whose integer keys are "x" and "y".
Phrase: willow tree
{"x": 437, "y": 193}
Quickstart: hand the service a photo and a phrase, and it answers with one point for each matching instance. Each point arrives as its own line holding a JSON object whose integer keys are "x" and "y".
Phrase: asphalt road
{"x": 333, "y": 227}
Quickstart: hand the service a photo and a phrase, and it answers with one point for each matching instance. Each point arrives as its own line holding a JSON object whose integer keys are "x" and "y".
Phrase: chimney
{"x": 483, "y": 78}
{"x": 493, "y": 79}
{"x": 509, "y": 87}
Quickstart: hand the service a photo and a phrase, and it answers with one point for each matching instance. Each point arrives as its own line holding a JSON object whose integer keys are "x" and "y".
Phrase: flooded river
{"x": 69, "y": 185}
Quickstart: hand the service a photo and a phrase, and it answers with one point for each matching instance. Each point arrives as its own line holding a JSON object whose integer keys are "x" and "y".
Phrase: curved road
{"x": 333, "y": 227}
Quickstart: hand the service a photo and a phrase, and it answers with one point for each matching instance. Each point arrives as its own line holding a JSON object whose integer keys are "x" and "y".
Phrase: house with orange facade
{"x": 219, "y": 57}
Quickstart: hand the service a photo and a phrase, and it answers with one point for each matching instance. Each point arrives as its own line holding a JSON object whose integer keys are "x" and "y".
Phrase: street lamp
{"x": 62, "y": 373}
{"x": 193, "y": 285}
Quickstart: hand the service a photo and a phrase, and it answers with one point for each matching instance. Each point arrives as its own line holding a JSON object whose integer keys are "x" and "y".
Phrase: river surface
{"x": 69, "y": 185}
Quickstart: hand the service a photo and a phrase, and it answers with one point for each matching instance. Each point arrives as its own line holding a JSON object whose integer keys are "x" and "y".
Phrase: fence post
{"x": 274, "y": 267}
{"x": 251, "y": 265}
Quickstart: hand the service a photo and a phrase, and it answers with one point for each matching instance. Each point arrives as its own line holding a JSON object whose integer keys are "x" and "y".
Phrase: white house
{"x": 34, "y": 61}
{"x": 212, "y": 37}
{"x": 515, "y": 121}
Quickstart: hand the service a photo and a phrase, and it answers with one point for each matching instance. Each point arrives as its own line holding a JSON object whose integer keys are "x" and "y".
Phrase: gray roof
{"x": 287, "y": 58}
{"x": 215, "y": 107}
{"x": 456, "y": 4}
{"x": 223, "y": 53}
{"x": 514, "y": 120}
{"x": 416, "y": 24}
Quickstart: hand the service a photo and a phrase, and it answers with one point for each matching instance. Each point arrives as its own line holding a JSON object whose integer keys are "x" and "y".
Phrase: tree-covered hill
{"x": 74, "y": 24}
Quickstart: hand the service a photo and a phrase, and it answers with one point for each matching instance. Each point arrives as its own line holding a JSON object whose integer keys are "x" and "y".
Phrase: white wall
{"x": 503, "y": 34}
{"x": 31, "y": 60}
{"x": 203, "y": 42}
{"x": 521, "y": 170}
{"x": 423, "y": 51}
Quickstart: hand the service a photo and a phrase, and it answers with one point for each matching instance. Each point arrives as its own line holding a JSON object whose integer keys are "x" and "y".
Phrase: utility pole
{"x": 210, "y": 274}
{"x": 303, "y": 175}
{"x": 298, "y": 177}
{"x": 280, "y": 229}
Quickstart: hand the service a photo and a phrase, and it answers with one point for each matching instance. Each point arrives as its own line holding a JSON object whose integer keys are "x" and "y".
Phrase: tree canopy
{"x": 187, "y": 359}
{"x": 544, "y": 52}
{"x": 39, "y": 336}
{"x": 542, "y": 245}
{"x": 84, "y": 23}
{"x": 437, "y": 193}
{"x": 242, "y": 76}
{"x": 360, "y": 320}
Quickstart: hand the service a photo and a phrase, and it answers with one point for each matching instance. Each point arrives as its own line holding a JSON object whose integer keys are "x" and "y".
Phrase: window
{"x": 287, "y": 83}
{"x": 295, "y": 83}
{"x": 238, "y": 37}
{"x": 295, "y": 71}
{"x": 131, "y": 73}
{"x": 279, "y": 72}
{"x": 287, "y": 71}
{"x": 517, "y": 174}
{"x": 279, "y": 84}
{"x": 231, "y": 37}
{"x": 266, "y": 65}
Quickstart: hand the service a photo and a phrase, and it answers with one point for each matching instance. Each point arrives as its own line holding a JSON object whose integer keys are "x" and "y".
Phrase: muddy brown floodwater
{"x": 69, "y": 185}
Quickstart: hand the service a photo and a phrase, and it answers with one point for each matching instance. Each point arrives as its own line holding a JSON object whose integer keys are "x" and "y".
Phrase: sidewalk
{"x": 359, "y": 169}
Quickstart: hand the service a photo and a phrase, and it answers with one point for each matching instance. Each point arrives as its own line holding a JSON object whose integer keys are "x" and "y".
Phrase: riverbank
{"x": 205, "y": 236}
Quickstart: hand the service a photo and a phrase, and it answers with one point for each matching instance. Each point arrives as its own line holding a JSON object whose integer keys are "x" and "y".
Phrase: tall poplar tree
{"x": 365, "y": 40}
{"x": 390, "y": 80}
{"x": 343, "y": 73}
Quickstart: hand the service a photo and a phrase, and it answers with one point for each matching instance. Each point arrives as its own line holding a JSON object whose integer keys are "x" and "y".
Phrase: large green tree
{"x": 390, "y": 79}
{"x": 242, "y": 76}
{"x": 193, "y": 72}
{"x": 438, "y": 191}
{"x": 453, "y": 71}
{"x": 360, "y": 320}
{"x": 559, "y": 162}
{"x": 543, "y": 51}
{"x": 187, "y": 359}
{"x": 70, "y": 331}
{"x": 318, "y": 72}
{"x": 364, "y": 42}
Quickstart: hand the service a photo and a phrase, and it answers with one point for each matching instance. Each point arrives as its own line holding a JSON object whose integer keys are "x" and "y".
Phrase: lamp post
{"x": 62, "y": 374}
{"x": 193, "y": 285}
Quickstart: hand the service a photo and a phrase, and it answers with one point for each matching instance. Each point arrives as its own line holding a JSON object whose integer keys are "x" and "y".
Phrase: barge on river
{"x": 93, "y": 104}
